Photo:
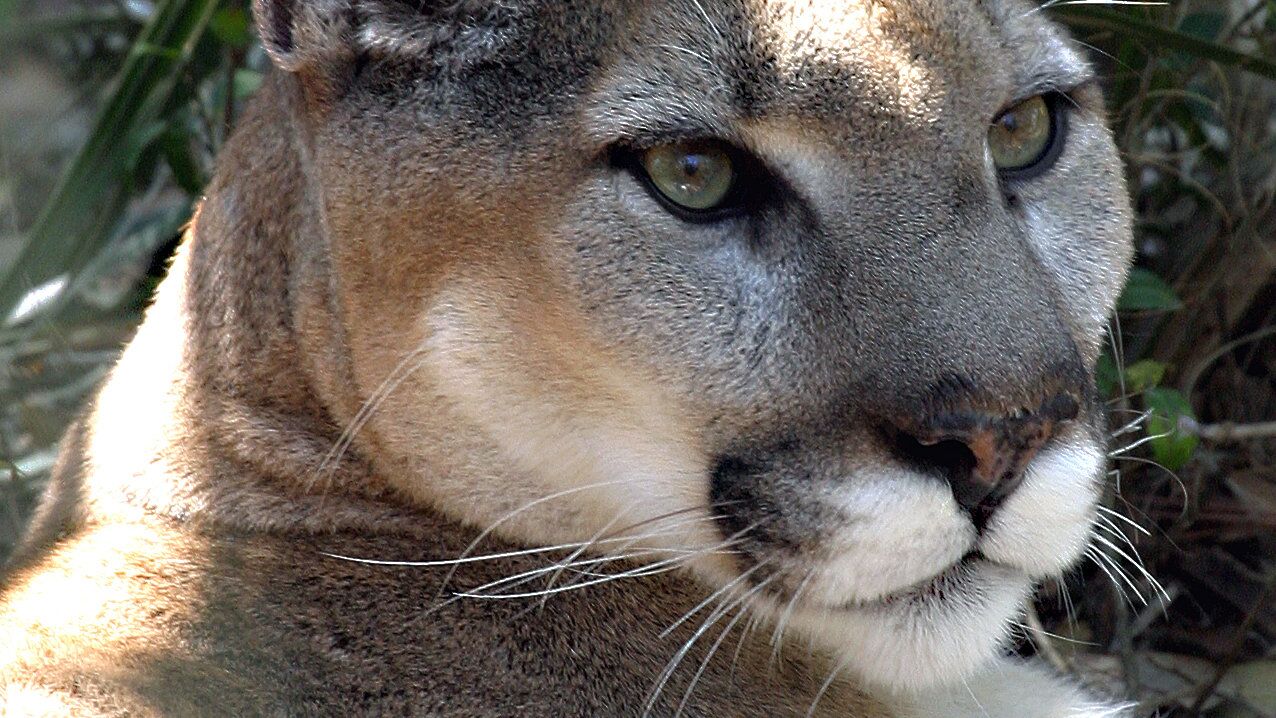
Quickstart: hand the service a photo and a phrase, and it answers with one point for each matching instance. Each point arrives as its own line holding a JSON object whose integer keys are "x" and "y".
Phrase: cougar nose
{"x": 983, "y": 455}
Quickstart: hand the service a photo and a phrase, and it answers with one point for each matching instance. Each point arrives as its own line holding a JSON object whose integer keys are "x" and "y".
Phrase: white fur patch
{"x": 922, "y": 641}
{"x": 621, "y": 460}
{"x": 1007, "y": 689}
{"x": 1044, "y": 526}
{"x": 903, "y": 529}
{"x": 900, "y": 529}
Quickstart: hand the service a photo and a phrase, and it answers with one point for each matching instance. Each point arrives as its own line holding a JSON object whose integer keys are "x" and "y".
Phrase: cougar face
{"x": 810, "y": 291}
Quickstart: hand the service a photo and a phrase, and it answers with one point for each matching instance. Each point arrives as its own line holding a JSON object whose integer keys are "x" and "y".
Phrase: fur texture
{"x": 427, "y": 313}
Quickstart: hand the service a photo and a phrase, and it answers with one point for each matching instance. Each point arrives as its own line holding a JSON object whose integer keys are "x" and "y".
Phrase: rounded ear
{"x": 298, "y": 34}
{"x": 315, "y": 37}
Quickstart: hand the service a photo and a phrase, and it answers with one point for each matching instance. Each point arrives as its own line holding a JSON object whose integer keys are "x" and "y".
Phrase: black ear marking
{"x": 275, "y": 26}
{"x": 300, "y": 33}
{"x": 281, "y": 26}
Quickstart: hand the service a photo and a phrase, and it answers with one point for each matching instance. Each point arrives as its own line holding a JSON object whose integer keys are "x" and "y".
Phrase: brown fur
{"x": 408, "y": 206}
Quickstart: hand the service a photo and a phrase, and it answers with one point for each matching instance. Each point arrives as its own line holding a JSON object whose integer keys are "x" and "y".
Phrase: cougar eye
{"x": 695, "y": 176}
{"x": 1024, "y": 140}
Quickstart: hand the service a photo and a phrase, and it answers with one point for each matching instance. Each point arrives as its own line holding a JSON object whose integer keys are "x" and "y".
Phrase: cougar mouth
{"x": 955, "y": 578}
{"x": 886, "y": 566}
{"x": 946, "y": 584}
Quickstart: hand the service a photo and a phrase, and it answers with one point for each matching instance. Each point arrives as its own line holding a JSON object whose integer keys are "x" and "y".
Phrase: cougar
{"x": 602, "y": 358}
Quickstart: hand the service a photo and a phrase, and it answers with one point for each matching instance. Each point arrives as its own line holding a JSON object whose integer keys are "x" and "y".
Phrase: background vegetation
{"x": 111, "y": 112}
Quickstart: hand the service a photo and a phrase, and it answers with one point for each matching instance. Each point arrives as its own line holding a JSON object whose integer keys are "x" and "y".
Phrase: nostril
{"x": 982, "y": 456}
{"x": 949, "y": 459}
{"x": 955, "y": 463}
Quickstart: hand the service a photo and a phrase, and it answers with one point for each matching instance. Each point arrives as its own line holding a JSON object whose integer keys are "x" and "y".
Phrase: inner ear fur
{"x": 454, "y": 33}
{"x": 305, "y": 34}
{"x": 302, "y": 35}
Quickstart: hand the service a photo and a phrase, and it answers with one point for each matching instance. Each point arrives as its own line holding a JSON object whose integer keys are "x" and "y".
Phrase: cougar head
{"x": 807, "y": 293}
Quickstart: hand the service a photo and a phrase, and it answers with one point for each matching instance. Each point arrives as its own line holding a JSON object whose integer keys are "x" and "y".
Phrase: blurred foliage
{"x": 132, "y": 101}
{"x": 147, "y": 92}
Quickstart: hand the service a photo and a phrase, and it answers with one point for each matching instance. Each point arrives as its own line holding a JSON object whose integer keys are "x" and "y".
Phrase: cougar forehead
{"x": 554, "y": 354}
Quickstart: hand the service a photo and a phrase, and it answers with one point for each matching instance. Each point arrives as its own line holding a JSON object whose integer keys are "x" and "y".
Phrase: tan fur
{"x": 544, "y": 368}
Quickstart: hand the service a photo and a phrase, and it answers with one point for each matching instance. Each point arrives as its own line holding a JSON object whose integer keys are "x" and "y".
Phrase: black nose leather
{"x": 983, "y": 455}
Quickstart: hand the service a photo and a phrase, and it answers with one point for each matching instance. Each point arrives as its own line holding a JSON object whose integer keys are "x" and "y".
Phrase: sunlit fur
{"x": 432, "y": 413}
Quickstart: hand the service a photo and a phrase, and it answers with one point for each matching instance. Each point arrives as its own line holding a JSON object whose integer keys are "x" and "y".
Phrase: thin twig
{"x": 1041, "y": 639}
{"x": 1227, "y": 431}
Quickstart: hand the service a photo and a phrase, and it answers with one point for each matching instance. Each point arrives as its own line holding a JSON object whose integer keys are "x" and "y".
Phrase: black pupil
{"x": 691, "y": 165}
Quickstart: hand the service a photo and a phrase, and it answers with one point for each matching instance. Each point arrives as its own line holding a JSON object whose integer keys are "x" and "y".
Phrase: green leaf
{"x": 1106, "y": 375}
{"x": 1147, "y": 292}
{"x": 1204, "y": 25}
{"x": 1088, "y": 16}
{"x": 141, "y": 142}
{"x": 75, "y": 220}
{"x": 1170, "y": 446}
{"x": 232, "y": 27}
{"x": 176, "y": 146}
{"x": 1144, "y": 375}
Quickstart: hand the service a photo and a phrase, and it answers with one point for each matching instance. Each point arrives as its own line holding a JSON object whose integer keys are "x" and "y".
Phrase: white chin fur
{"x": 919, "y": 642}
{"x": 1006, "y": 689}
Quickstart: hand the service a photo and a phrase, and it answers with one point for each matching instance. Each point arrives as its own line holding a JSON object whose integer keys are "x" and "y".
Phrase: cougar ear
{"x": 300, "y": 34}
{"x": 316, "y": 35}
{"x": 449, "y": 33}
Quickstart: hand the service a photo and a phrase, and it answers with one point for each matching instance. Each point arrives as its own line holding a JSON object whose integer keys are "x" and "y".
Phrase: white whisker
{"x": 665, "y": 531}
{"x": 709, "y": 599}
{"x": 828, "y": 683}
{"x": 726, "y": 631}
{"x": 602, "y": 531}
{"x": 1029, "y": 630}
{"x": 644, "y": 571}
{"x": 1137, "y": 563}
{"x": 724, "y": 606}
{"x": 532, "y": 504}
{"x": 1064, "y": 3}
{"x": 1132, "y": 426}
{"x": 1101, "y": 562}
{"x": 1134, "y": 445}
{"x": 524, "y": 552}
{"x": 1122, "y": 517}
{"x": 1069, "y": 610}
{"x": 393, "y": 380}
{"x": 662, "y": 566}
{"x": 516, "y": 579}
{"x": 782, "y": 623}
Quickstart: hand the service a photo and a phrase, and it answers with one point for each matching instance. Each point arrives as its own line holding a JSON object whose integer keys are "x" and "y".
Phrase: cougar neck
{"x": 237, "y": 371}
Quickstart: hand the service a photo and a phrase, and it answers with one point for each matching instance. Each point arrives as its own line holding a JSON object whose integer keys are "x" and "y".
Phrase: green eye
{"x": 694, "y": 176}
{"x": 1021, "y": 137}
